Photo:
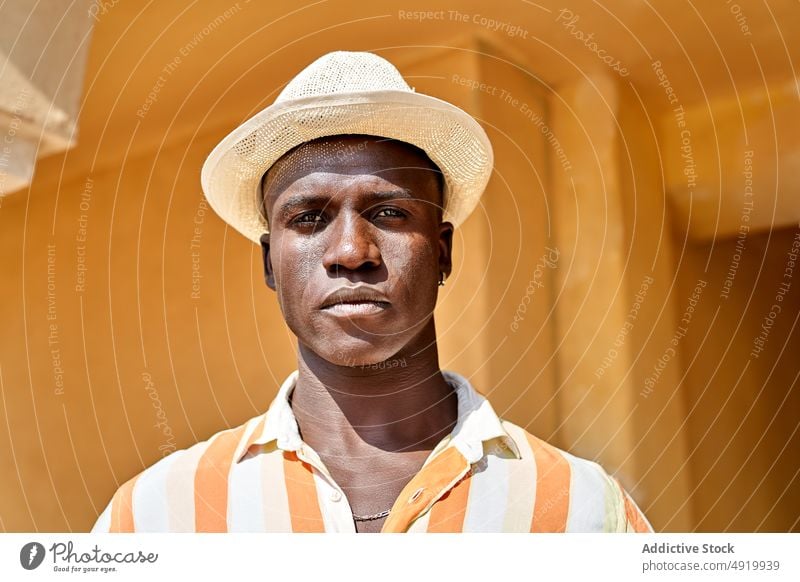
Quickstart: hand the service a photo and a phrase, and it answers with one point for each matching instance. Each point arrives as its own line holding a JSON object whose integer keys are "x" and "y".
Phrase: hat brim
{"x": 454, "y": 141}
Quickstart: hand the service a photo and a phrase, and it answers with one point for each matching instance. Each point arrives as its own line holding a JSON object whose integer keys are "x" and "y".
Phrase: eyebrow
{"x": 299, "y": 201}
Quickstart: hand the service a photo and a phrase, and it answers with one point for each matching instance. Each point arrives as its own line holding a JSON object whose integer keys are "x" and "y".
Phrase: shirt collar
{"x": 477, "y": 423}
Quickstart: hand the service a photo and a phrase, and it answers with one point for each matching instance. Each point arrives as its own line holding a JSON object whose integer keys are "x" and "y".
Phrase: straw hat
{"x": 346, "y": 93}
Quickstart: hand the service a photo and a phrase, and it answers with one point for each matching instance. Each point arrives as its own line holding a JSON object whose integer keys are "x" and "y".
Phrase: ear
{"x": 269, "y": 274}
{"x": 446, "y": 248}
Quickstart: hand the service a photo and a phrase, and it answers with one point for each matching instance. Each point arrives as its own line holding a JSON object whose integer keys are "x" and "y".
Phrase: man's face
{"x": 356, "y": 245}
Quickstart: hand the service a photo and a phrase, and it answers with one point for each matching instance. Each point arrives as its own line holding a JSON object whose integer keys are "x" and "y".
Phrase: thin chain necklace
{"x": 372, "y": 517}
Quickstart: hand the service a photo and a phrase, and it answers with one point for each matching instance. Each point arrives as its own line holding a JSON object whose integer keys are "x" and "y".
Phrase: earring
{"x": 442, "y": 278}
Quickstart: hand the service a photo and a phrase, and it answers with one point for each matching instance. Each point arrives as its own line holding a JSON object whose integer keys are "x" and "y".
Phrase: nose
{"x": 351, "y": 245}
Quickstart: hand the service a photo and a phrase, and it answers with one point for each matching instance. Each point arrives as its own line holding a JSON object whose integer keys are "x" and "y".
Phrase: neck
{"x": 400, "y": 405}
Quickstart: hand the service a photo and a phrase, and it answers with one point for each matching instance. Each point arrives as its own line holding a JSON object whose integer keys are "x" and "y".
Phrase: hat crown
{"x": 344, "y": 72}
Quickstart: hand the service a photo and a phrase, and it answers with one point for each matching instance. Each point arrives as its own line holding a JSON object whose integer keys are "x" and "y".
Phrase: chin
{"x": 356, "y": 353}
{"x": 353, "y": 346}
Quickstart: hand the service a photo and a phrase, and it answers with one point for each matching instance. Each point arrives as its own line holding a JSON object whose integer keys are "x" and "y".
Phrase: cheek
{"x": 294, "y": 263}
{"x": 413, "y": 266}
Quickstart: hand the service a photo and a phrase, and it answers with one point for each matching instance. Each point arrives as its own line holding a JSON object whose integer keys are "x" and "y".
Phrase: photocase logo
{"x": 31, "y": 555}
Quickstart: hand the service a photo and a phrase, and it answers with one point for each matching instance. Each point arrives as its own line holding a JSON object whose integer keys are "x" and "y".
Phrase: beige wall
{"x": 92, "y": 360}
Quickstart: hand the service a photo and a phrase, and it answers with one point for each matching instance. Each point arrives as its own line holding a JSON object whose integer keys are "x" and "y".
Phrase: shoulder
{"x": 162, "y": 497}
{"x": 572, "y": 493}
{"x": 556, "y": 462}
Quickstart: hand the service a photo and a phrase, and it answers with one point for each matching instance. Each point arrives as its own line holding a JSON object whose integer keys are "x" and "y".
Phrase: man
{"x": 353, "y": 184}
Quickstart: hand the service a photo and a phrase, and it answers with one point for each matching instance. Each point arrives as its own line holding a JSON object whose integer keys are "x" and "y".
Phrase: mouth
{"x": 360, "y": 300}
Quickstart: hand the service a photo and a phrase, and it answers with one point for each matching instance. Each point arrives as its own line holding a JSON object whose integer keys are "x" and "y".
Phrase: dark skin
{"x": 356, "y": 248}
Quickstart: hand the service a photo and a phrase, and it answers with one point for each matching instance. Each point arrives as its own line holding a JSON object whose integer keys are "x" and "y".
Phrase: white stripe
{"x": 587, "y": 507}
{"x": 245, "y": 504}
{"x": 275, "y": 500}
{"x": 488, "y": 496}
{"x": 180, "y": 488}
{"x": 150, "y": 506}
{"x": 336, "y": 515}
{"x": 245, "y": 513}
{"x": 522, "y": 484}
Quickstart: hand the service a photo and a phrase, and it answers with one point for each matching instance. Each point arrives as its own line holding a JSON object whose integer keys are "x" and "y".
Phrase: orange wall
{"x": 742, "y": 409}
{"x": 94, "y": 359}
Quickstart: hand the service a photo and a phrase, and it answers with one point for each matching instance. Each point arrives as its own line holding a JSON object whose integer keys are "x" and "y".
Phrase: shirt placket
{"x": 336, "y": 510}
{"x": 433, "y": 481}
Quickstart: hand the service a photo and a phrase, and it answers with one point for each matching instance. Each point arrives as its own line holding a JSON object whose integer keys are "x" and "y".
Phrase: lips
{"x": 357, "y": 300}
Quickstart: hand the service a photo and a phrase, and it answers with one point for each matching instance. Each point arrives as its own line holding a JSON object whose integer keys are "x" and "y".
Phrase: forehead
{"x": 352, "y": 155}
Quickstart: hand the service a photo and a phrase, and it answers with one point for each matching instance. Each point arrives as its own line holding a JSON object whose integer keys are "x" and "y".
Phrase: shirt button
{"x": 415, "y": 495}
{"x": 335, "y": 496}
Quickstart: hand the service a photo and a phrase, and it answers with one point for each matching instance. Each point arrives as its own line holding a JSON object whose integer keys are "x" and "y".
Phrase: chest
{"x": 371, "y": 485}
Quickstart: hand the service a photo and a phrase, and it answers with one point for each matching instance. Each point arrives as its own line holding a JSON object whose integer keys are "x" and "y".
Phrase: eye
{"x": 389, "y": 213}
{"x": 309, "y": 218}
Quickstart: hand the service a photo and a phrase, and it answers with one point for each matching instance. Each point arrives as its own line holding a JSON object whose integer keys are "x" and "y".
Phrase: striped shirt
{"x": 488, "y": 475}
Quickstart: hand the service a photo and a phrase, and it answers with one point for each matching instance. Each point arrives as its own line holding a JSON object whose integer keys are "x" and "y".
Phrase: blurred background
{"x": 629, "y": 288}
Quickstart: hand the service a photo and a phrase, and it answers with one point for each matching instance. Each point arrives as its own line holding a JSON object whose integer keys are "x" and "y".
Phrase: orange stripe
{"x": 552, "y": 488}
{"x": 211, "y": 482}
{"x": 635, "y": 518}
{"x": 302, "y": 495}
{"x": 443, "y": 471}
{"x": 122, "y": 509}
{"x": 447, "y": 514}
